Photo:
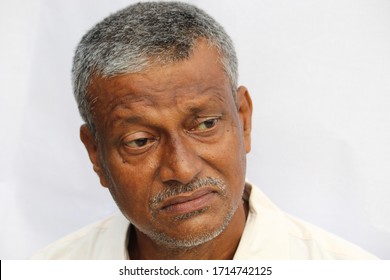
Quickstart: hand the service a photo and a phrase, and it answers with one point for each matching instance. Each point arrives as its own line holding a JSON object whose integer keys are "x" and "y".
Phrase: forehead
{"x": 199, "y": 77}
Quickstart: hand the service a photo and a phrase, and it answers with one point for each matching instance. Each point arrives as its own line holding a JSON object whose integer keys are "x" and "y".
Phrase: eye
{"x": 138, "y": 141}
{"x": 205, "y": 124}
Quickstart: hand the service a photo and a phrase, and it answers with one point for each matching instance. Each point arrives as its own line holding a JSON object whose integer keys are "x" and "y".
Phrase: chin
{"x": 192, "y": 230}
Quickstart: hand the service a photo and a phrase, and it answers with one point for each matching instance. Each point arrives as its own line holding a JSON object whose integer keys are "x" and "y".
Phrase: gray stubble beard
{"x": 191, "y": 241}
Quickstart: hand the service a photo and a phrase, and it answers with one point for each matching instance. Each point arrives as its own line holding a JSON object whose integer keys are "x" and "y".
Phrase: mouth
{"x": 189, "y": 202}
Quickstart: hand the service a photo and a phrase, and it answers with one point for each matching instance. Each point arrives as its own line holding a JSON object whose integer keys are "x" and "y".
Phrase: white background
{"x": 319, "y": 75}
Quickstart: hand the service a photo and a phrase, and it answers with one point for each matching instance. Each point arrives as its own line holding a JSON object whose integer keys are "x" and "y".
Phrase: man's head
{"x": 142, "y": 36}
{"x": 167, "y": 128}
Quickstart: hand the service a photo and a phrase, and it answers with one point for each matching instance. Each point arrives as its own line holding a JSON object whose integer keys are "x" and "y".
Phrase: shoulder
{"x": 290, "y": 238}
{"x": 105, "y": 239}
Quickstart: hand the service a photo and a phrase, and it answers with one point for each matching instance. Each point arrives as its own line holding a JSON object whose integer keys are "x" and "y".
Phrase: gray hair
{"x": 131, "y": 39}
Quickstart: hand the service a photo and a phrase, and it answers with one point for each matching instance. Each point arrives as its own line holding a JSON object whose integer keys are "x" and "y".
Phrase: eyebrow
{"x": 129, "y": 119}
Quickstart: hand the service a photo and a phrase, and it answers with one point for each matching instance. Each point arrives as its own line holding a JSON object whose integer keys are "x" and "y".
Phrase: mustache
{"x": 175, "y": 188}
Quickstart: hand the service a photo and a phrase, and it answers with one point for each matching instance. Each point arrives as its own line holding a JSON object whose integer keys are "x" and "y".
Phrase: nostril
{"x": 173, "y": 184}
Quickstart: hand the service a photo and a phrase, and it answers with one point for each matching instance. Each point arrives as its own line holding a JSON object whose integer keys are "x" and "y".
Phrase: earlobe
{"x": 91, "y": 145}
{"x": 244, "y": 103}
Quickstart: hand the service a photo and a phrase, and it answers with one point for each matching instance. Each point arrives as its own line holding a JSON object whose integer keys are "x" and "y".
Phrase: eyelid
{"x": 201, "y": 120}
{"x": 136, "y": 135}
{"x": 131, "y": 137}
{"x": 219, "y": 117}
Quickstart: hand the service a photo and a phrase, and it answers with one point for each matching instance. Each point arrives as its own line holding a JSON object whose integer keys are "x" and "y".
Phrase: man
{"x": 167, "y": 130}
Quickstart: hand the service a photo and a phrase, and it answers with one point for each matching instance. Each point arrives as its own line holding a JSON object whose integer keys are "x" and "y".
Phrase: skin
{"x": 166, "y": 127}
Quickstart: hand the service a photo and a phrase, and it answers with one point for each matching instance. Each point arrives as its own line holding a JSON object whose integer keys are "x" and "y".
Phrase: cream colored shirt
{"x": 269, "y": 234}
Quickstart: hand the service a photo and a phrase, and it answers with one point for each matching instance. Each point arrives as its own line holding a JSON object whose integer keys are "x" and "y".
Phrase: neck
{"x": 222, "y": 247}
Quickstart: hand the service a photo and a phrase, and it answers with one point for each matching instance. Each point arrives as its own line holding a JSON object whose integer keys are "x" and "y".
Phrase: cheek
{"x": 234, "y": 161}
{"x": 131, "y": 186}
{"x": 228, "y": 156}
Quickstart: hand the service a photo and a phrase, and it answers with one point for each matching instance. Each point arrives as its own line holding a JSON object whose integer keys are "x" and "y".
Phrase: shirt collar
{"x": 265, "y": 235}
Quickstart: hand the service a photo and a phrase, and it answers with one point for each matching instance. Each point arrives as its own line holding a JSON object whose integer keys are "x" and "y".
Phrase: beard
{"x": 190, "y": 240}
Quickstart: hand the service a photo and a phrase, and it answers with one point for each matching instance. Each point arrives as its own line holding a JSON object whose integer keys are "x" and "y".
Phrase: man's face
{"x": 172, "y": 144}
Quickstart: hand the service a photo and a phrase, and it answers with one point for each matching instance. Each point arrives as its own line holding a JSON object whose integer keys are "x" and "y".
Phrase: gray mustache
{"x": 175, "y": 188}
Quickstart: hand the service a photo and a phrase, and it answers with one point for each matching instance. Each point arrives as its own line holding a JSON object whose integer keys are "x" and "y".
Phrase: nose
{"x": 179, "y": 161}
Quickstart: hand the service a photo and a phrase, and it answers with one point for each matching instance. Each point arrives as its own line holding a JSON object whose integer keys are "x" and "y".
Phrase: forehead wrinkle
{"x": 117, "y": 109}
{"x": 167, "y": 99}
{"x": 120, "y": 112}
{"x": 122, "y": 102}
{"x": 209, "y": 94}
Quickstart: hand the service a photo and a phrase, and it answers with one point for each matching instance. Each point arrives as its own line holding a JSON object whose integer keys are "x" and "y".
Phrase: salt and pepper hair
{"x": 144, "y": 35}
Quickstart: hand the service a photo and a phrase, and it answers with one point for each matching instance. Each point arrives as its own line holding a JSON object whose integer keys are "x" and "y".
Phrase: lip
{"x": 185, "y": 203}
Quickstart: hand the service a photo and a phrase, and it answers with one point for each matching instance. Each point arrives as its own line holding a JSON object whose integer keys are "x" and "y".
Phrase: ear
{"x": 244, "y": 104}
{"x": 91, "y": 145}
